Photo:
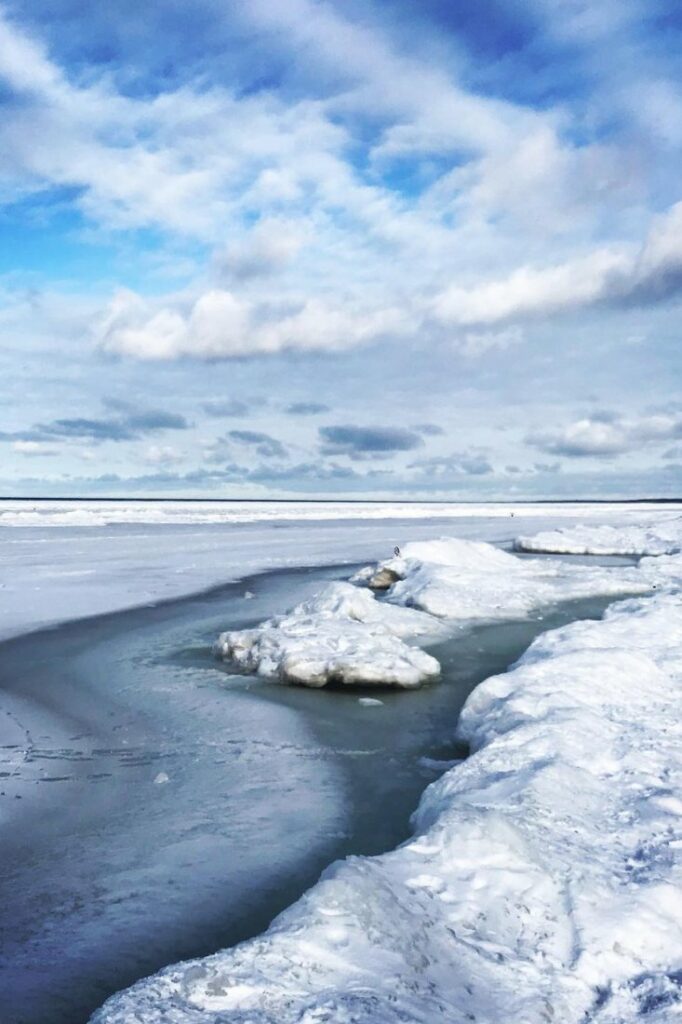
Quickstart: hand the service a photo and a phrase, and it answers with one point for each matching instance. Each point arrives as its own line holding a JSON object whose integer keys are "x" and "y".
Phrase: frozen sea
{"x": 155, "y": 807}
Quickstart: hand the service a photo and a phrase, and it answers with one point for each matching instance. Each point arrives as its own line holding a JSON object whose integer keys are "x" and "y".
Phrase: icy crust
{"x": 662, "y": 538}
{"x": 544, "y": 881}
{"x": 344, "y": 635}
{"x": 457, "y": 579}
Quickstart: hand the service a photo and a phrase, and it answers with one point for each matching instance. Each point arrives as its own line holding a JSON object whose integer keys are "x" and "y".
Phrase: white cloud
{"x": 616, "y": 275}
{"x": 220, "y": 325}
{"x": 33, "y": 448}
{"x": 162, "y": 455}
{"x": 600, "y": 436}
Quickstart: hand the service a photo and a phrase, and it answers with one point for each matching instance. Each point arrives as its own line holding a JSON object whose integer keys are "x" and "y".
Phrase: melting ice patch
{"x": 543, "y": 882}
{"x": 659, "y": 538}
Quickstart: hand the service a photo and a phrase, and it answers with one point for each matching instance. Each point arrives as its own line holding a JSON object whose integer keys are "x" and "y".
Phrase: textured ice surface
{"x": 658, "y": 538}
{"x": 458, "y": 579}
{"x": 63, "y": 559}
{"x": 543, "y": 882}
{"x": 344, "y": 635}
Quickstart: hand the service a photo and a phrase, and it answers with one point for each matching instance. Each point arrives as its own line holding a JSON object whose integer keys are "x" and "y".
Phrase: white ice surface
{"x": 661, "y": 537}
{"x": 457, "y": 579}
{"x": 345, "y": 635}
{"x": 72, "y": 512}
{"x": 543, "y": 882}
{"x": 62, "y": 560}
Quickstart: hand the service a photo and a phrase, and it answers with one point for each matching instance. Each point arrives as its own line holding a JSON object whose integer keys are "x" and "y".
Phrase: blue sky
{"x": 299, "y": 248}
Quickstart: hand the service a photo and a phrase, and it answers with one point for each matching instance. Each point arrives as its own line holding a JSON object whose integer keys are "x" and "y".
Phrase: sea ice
{"x": 658, "y": 538}
{"x": 459, "y": 579}
{"x": 346, "y": 635}
{"x": 543, "y": 882}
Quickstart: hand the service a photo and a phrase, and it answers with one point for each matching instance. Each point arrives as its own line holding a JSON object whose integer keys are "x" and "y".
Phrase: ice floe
{"x": 345, "y": 635}
{"x": 543, "y": 882}
{"x": 658, "y": 538}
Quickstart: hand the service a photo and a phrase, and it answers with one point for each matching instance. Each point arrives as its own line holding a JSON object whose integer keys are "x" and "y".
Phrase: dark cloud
{"x": 229, "y": 407}
{"x": 87, "y": 429}
{"x": 367, "y": 441}
{"x": 266, "y": 446}
{"x": 428, "y": 429}
{"x": 462, "y": 463}
{"x": 306, "y": 408}
{"x": 128, "y": 427}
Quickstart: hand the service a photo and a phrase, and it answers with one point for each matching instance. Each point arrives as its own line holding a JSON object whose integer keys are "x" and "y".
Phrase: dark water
{"x": 106, "y": 874}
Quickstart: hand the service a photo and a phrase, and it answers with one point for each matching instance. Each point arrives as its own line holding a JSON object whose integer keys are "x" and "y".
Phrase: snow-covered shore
{"x": 345, "y": 635}
{"x": 544, "y": 879}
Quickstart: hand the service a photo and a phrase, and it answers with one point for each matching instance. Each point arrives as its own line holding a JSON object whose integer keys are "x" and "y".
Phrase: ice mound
{"x": 458, "y": 579}
{"x": 344, "y": 635}
{"x": 662, "y": 538}
{"x": 544, "y": 881}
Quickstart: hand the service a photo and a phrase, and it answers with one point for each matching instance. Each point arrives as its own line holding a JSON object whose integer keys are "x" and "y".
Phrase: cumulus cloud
{"x": 219, "y": 325}
{"x": 603, "y": 435}
{"x": 367, "y": 441}
{"x": 617, "y": 275}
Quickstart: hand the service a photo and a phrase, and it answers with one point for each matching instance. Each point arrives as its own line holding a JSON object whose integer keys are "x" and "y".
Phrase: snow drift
{"x": 659, "y": 538}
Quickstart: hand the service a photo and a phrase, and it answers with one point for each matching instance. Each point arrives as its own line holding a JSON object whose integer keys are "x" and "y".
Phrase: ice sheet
{"x": 63, "y": 560}
{"x": 544, "y": 880}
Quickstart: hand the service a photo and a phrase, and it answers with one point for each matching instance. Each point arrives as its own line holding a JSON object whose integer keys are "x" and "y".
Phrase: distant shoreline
{"x": 353, "y": 501}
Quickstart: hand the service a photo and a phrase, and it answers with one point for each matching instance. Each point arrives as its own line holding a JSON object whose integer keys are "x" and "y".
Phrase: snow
{"x": 63, "y": 560}
{"x": 345, "y": 635}
{"x": 92, "y": 512}
{"x": 663, "y": 537}
{"x": 457, "y": 579}
{"x": 543, "y": 881}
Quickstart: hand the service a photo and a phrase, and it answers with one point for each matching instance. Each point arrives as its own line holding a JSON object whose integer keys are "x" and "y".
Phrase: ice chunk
{"x": 459, "y": 579}
{"x": 344, "y": 635}
{"x": 659, "y": 538}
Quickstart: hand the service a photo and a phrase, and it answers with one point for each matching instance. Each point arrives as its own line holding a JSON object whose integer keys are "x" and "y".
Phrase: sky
{"x": 306, "y": 248}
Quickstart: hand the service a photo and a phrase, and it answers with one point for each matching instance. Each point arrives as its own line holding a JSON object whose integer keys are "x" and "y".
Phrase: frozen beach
{"x": 170, "y": 809}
